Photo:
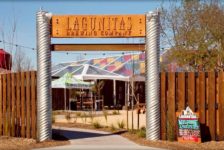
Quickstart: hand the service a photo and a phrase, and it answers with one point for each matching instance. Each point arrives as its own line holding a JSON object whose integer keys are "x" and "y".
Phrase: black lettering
{"x": 129, "y": 24}
{"x": 101, "y": 24}
{"x": 84, "y": 23}
{"x": 93, "y": 23}
{"x": 122, "y": 24}
{"x": 76, "y": 24}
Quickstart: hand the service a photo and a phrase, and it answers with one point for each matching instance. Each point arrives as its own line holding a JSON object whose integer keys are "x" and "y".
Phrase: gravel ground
{"x": 12, "y": 143}
{"x": 160, "y": 144}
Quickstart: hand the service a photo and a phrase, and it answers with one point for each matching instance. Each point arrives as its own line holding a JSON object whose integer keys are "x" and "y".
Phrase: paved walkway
{"x": 84, "y": 139}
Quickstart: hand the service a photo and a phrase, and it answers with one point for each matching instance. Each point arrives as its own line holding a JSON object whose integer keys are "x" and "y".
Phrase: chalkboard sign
{"x": 188, "y": 126}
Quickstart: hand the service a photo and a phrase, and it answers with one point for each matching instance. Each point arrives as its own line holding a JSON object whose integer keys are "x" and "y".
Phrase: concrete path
{"x": 84, "y": 139}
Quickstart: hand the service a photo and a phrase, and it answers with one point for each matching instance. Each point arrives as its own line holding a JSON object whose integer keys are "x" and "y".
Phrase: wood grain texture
{"x": 98, "y": 26}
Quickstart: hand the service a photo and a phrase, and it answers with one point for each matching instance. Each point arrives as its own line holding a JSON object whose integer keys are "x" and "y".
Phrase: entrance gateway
{"x": 97, "y": 26}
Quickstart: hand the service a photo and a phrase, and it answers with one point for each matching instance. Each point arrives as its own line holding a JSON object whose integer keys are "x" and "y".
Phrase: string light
{"x": 69, "y": 53}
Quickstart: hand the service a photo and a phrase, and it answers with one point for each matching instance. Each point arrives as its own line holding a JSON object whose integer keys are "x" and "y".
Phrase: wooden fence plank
{"x": 28, "y": 105}
{"x": 1, "y": 106}
{"x": 171, "y": 124}
{"x": 197, "y": 92}
{"x": 33, "y": 101}
{"x": 211, "y": 105}
{"x": 9, "y": 104}
{"x": 13, "y": 104}
{"x": 4, "y": 120}
{"x": 163, "y": 105}
{"x": 23, "y": 104}
{"x": 202, "y": 97}
{"x": 202, "y": 102}
{"x": 221, "y": 106}
{"x": 18, "y": 109}
{"x": 191, "y": 90}
{"x": 181, "y": 91}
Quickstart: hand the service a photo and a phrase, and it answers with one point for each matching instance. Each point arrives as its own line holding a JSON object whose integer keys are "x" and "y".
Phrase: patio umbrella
{"x": 70, "y": 82}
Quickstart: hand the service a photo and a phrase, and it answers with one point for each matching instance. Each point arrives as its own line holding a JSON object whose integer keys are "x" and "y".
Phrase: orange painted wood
{"x": 163, "y": 104}
{"x": 1, "y": 107}
{"x": 4, "y": 119}
{"x": 28, "y": 111}
{"x": 23, "y": 108}
{"x": 171, "y": 114}
{"x": 191, "y": 90}
{"x": 211, "y": 105}
{"x": 18, "y": 105}
{"x": 98, "y": 47}
{"x": 13, "y": 104}
{"x": 8, "y": 104}
{"x": 202, "y": 97}
{"x": 33, "y": 102}
{"x": 98, "y": 26}
{"x": 221, "y": 107}
{"x": 181, "y": 91}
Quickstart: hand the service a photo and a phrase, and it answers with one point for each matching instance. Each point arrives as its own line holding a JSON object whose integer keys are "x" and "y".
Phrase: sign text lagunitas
{"x": 98, "y": 26}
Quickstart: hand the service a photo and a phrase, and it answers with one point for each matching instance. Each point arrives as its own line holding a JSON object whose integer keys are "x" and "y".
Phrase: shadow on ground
{"x": 69, "y": 135}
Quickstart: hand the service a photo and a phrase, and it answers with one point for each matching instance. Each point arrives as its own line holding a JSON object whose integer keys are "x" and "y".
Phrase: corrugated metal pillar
{"x": 152, "y": 76}
{"x": 44, "y": 100}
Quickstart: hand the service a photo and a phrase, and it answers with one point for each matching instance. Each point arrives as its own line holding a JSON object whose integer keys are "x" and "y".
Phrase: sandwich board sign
{"x": 188, "y": 126}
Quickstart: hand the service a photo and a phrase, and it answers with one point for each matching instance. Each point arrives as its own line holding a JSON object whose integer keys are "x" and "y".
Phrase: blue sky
{"x": 24, "y": 11}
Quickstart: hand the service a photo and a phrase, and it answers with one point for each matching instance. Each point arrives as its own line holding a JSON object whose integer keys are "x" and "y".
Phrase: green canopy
{"x": 70, "y": 82}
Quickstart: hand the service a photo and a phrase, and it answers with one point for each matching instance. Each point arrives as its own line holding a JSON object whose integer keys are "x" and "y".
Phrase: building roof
{"x": 124, "y": 65}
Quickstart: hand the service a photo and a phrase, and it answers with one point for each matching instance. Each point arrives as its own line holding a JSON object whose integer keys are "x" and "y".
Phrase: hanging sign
{"x": 188, "y": 126}
{"x": 98, "y": 26}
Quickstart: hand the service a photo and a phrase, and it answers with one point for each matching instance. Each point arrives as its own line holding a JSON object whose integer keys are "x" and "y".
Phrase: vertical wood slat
{"x": 18, "y": 109}
{"x": 221, "y": 106}
{"x": 13, "y": 103}
{"x": 4, "y": 119}
{"x": 33, "y": 101}
{"x": 191, "y": 90}
{"x": 171, "y": 124}
{"x": 202, "y": 97}
{"x": 1, "y": 106}
{"x": 28, "y": 105}
{"x": 163, "y": 106}
{"x": 202, "y": 102}
{"x": 181, "y": 91}
{"x": 8, "y": 104}
{"x": 23, "y": 104}
{"x": 211, "y": 105}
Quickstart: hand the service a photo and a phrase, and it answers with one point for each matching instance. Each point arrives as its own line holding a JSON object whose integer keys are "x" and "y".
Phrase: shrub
{"x": 142, "y": 132}
{"x": 115, "y": 112}
{"x": 53, "y": 118}
{"x": 78, "y": 114}
{"x": 105, "y": 114}
{"x": 84, "y": 115}
{"x": 91, "y": 116}
{"x": 68, "y": 116}
{"x": 112, "y": 127}
{"x": 171, "y": 132}
{"x": 120, "y": 124}
{"x": 97, "y": 125}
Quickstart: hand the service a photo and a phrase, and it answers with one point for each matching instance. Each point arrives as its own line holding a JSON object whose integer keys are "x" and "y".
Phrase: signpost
{"x": 98, "y": 26}
{"x": 188, "y": 126}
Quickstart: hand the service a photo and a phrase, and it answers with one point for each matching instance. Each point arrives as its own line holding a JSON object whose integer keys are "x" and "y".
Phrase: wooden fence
{"x": 18, "y": 104}
{"x": 203, "y": 92}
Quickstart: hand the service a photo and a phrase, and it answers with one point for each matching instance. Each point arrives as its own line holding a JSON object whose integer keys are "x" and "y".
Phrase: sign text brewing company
{"x": 98, "y": 26}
